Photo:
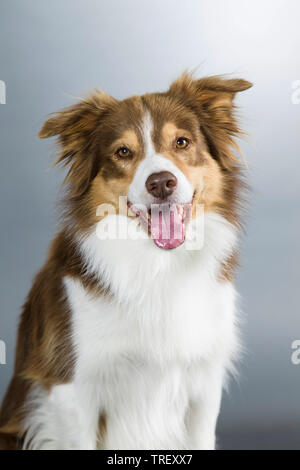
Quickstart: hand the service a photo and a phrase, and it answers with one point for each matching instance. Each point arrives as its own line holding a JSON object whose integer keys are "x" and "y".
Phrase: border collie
{"x": 129, "y": 330}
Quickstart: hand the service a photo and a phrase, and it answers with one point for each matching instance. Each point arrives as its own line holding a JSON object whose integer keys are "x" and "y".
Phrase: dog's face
{"x": 165, "y": 152}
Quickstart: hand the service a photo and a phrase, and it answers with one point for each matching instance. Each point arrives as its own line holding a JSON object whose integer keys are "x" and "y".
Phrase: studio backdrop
{"x": 52, "y": 52}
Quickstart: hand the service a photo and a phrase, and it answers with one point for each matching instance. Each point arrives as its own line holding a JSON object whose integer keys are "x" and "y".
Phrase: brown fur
{"x": 89, "y": 135}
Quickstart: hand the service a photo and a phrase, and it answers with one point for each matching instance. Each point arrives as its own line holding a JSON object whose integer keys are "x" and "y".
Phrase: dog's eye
{"x": 182, "y": 143}
{"x": 123, "y": 152}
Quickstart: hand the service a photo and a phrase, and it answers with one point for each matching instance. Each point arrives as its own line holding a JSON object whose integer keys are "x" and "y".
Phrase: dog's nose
{"x": 162, "y": 184}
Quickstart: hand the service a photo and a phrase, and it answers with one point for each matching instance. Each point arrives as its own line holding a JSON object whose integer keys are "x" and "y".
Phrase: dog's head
{"x": 166, "y": 152}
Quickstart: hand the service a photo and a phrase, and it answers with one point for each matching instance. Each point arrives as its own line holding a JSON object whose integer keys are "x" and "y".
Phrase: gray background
{"x": 52, "y": 49}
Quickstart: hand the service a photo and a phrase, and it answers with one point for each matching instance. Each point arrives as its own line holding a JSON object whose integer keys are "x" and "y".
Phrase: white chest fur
{"x": 146, "y": 351}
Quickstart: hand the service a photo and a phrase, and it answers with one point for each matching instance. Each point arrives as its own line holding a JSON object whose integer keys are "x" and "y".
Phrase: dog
{"x": 129, "y": 331}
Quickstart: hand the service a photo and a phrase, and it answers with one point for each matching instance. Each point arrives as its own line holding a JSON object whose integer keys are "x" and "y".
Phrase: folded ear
{"x": 210, "y": 92}
{"x": 76, "y": 130}
{"x": 212, "y": 100}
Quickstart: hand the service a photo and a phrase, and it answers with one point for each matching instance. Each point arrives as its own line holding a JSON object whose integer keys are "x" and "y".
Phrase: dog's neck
{"x": 129, "y": 268}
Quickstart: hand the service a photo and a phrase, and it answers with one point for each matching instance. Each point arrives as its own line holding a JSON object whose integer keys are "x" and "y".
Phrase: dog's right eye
{"x": 123, "y": 152}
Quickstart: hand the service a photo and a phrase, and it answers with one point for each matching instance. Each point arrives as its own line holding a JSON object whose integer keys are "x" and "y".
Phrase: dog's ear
{"x": 76, "y": 130}
{"x": 212, "y": 100}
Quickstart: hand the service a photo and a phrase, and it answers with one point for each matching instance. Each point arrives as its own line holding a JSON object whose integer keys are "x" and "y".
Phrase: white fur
{"x": 53, "y": 425}
{"x": 151, "y": 356}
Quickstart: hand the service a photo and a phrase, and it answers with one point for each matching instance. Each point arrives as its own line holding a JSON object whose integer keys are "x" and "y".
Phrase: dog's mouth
{"x": 165, "y": 223}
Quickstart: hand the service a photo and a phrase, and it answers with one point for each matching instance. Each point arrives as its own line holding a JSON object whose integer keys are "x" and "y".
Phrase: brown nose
{"x": 162, "y": 184}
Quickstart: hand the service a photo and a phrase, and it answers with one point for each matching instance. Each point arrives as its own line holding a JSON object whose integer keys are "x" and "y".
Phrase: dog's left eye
{"x": 182, "y": 143}
{"x": 123, "y": 152}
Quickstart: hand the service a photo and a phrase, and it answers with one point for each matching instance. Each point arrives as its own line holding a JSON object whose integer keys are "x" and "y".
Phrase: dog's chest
{"x": 144, "y": 358}
{"x": 165, "y": 305}
{"x": 184, "y": 322}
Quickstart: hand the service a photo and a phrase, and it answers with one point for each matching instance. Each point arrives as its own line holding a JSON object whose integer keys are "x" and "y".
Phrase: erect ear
{"x": 76, "y": 129}
{"x": 212, "y": 100}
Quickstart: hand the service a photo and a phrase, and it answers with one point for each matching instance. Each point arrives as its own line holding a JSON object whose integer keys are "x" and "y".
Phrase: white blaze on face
{"x": 167, "y": 223}
{"x": 154, "y": 163}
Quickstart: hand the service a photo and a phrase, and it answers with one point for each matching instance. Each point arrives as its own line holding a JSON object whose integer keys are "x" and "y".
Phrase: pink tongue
{"x": 167, "y": 227}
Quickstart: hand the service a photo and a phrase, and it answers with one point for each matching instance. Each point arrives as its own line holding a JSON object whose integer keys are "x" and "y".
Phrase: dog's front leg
{"x": 63, "y": 418}
{"x": 203, "y": 413}
{"x": 89, "y": 413}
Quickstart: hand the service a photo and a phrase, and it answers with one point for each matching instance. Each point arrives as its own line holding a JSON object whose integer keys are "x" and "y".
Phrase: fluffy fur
{"x": 123, "y": 345}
